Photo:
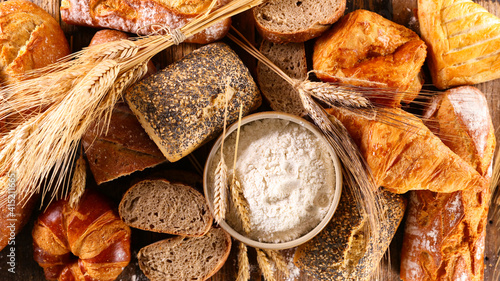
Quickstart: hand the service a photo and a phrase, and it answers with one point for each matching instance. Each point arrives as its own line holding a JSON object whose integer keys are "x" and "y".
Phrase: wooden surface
{"x": 397, "y": 10}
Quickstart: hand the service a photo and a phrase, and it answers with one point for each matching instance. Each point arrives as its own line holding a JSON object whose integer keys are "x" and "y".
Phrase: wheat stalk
{"x": 243, "y": 263}
{"x": 57, "y": 104}
{"x": 78, "y": 181}
{"x": 265, "y": 265}
{"x": 278, "y": 260}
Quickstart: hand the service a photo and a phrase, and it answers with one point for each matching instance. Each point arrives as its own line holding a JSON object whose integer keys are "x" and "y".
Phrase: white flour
{"x": 287, "y": 176}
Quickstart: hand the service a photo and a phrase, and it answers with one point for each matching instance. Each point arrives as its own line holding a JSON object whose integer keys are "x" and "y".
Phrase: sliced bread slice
{"x": 283, "y": 21}
{"x": 161, "y": 206}
{"x": 183, "y": 258}
{"x": 291, "y": 58}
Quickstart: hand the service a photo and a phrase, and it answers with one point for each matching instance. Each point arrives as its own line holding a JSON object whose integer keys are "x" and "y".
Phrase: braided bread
{"x": 89, "y": 242}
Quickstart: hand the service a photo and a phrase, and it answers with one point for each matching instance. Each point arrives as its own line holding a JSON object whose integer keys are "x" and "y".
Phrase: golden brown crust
{"x": 463, "y": 40}
{"x": 445, "y": 233}
{"x": 30, "y": 38}
{"x": 92, "y": 231}
{"x": 365, "y": 46}
{"x": 405, "y": 155}
{"x": 142, "y": 16}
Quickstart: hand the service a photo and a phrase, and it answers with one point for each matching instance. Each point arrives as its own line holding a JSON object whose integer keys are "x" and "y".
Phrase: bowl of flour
{"x": 289, "y": 176}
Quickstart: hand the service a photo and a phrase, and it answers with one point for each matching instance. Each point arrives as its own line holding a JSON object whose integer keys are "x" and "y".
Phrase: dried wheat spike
{"x": 220, "y": 191}
{"x": 240, "y": 203}
{"x": 78, "y": 182}
{"x": 264, "y": 265}
{"x": 334, "y": 94}
{"x": 115, "y": 50}
{"x": 243, "y": 263}
{"x": 278, "y": 260}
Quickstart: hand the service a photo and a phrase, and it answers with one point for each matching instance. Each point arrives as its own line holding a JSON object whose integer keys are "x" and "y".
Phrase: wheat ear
{"x": 243, "y": 263}
{"x": 265, "y": 265}
{"x": 78, "y": 181}
{"x": 278, "y": 260}
{"x": 240, "y": 203}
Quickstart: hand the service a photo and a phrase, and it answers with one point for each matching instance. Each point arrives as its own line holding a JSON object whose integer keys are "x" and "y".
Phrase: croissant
{"x": 403, "y": 154}
{"x": 463, "y": 39}
{"x": 92, "y": 231}
{"x": 445, "y": 232}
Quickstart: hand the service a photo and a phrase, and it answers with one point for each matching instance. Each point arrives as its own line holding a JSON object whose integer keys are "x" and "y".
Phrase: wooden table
{"x": 397, "y": 10}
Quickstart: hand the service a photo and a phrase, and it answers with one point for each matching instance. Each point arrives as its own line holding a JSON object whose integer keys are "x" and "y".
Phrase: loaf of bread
{"x": 284, "y": 21}
{"x": 162, "y": 206}
{"x": 343, "y": 250}
{"x": 30, "y": 38}
{"x": 184, "y": 258}
{"x": 463, "y": 40}
{"x": 143, "y": 16}
{"x": 365, "y": 49}
{"x": 445, "y": 232}
{"x": 291, "y": 58}
{"x": 182, "y": 106}
{"x": 92, "y": 231}
{"x": 404, "y": 154}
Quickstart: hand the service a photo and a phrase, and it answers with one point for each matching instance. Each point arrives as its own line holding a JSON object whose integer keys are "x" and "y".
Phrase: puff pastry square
{"x": 463, "y": 40}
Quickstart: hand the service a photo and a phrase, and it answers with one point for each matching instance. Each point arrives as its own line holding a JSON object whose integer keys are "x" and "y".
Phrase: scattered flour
{"x": 287, "y": 177}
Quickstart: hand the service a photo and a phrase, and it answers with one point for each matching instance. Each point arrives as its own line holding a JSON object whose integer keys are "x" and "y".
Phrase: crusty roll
{"x": 92, "y": 231}
{"x": 30, "y": 38}
{"x": 405, "y": 155}
{"x": 445, "y": 232}
{"x": 143, "y": 16}
{"x": 365, "y": 49}
{"x": 463, "y": 40}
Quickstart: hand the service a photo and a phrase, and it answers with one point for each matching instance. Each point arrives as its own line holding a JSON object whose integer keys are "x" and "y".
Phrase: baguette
{"x": 445, "y": 234}
{"x": 182, "y": 106}
{"x": 143, "y": 16}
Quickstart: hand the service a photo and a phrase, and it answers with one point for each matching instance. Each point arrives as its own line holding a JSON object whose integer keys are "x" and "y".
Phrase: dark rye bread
{"x": 283, "y": 21}
{"x": 291, "y": 58}
{"x": 124, "y": 149}
{"x": 183, "y": 258}
{"x": 182, "y": 106}
{"x": 341, "y": 251}
{"x": 161, "y": 206}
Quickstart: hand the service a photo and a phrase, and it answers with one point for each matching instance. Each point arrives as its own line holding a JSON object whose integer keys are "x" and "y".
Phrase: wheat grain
{"x": 243, "y": 263}
{"x": 278, "y": 260}
{"x": 78, "y": 181}
{"x": 264, "y": 265}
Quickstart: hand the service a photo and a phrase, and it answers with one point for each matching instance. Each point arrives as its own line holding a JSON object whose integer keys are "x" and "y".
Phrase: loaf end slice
{"x": 283, "y": 21}
{"x": 343, "y": 250}
{"x": 183, "y": 258}
{"x": 161, "y": 206}
{"x": 291, "y": 58}
{"x": 182, "y": 106}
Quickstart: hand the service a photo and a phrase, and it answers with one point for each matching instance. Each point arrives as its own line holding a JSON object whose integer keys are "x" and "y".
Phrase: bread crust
{"x": 460, "y": 53}
{"x": 364, "y": 47}
{"x": 298, "y": 36}
{"x": 30, "y": 38}
{"x": 140, "y": 16}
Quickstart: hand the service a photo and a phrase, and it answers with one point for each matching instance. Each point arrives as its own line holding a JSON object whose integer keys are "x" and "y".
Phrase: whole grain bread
{"x": 182, "y": 106}
{"x": 183, "y": 258}
{"x": 283, "y": 21}
{"x": 291, "y": 58}
{"x": 343, "y": 251}
{"x": 161, "y": 206}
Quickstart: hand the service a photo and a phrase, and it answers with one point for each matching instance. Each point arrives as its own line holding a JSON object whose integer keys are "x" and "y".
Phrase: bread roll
{"x": 445, "y": 233}
{"x": 143, "y": 16}
{"x": 364, "y": 47}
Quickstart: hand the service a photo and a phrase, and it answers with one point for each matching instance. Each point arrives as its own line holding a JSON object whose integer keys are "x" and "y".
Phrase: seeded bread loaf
{"x": 283, "y": 21}
{"x": 291, "y": 58}
{"x": 161, "y": 206}
{"x": 183, "y": 258}
{"x": 342, "y": 250}
{"x": 143, "y": 16}
{"x": 182, "y": 106}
